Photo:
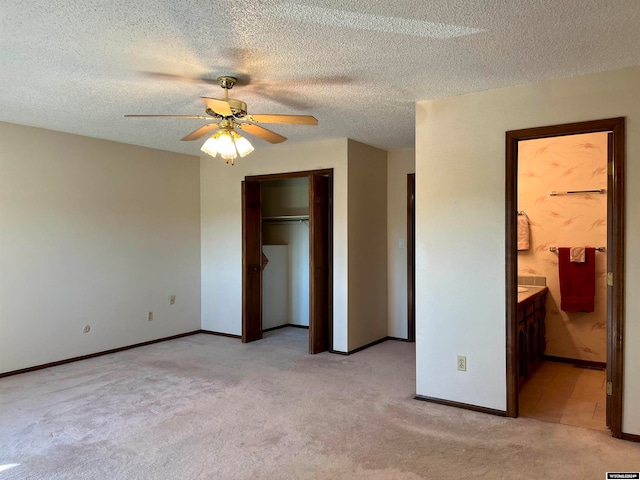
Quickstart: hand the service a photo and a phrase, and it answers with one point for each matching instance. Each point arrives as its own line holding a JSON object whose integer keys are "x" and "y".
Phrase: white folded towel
{"x": 576, "y": 255}
{"x": 523, "y": 232}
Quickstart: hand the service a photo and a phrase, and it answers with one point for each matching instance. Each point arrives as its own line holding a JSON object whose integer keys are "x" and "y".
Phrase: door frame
{"x": 615, "y": 248}
{"x": 328, "y": 172}
{"x": 411, "y": 257}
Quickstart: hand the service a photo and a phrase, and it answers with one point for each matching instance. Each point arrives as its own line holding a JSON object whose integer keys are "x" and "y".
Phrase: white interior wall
{"x": 399, "y": 164}
{"x": 460, "y": 228}
{"x": 221, "y": 228}
{"x": 296, "y": 236}
{"x": 290, "y": 197}
{"x": 275, "y": 286}
{"x": 93, "y": 233}
{"x": 298, "y": 278}
{"x": 367, "y": 244}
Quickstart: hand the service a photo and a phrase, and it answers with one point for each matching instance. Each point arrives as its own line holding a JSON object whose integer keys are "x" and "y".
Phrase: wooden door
{"x": 251, "y": 261}
{"x": 611, "y": 251}
{"x": 610, "y": 187}
{"x": 411, "y": 257}
{"x": 318, "y": 263}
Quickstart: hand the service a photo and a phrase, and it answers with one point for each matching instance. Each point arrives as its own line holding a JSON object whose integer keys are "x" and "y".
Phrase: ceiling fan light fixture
{"x": 221, "y": 143}
{"x": 228, "y": 144}
{"x": 210, "y": 147}
{"x": 243, "y": 145}
{"x": 226, "y": 147}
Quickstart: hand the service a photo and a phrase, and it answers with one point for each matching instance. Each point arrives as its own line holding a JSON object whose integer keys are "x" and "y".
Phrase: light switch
{"x": 401, "y": 243}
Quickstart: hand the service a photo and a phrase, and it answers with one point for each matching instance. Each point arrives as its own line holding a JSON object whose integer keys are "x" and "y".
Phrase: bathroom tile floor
{"x": 563, "y": 393}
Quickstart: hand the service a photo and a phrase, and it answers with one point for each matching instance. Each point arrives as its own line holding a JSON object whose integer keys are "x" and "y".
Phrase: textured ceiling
{"x": 358, "y": 66}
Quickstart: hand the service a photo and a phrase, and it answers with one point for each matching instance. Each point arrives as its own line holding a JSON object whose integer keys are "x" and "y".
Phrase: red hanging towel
{"x": 577, "y": 281}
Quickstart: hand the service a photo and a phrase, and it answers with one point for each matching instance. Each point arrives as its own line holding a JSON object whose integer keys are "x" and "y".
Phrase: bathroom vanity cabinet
{"x": 531, "y": 331}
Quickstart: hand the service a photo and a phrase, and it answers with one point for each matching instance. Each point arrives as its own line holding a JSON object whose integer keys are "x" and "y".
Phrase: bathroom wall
{"x": 575, "y": 162}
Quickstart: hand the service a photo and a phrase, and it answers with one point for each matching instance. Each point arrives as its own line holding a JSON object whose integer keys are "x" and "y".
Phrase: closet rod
{"x": 599, "y": 249}
{"x": 286, "y": 218}
{"x": 553, "y": 193}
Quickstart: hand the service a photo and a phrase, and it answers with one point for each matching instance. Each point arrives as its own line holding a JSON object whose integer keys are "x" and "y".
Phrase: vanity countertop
{"x": 531, "y": 292}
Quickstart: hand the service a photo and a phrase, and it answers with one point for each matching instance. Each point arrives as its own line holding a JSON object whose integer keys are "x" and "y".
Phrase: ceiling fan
{"x": 224, "y": 115}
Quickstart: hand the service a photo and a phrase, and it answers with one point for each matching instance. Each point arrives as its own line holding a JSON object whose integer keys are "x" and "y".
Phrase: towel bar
{"x": 599, "y": 249}
{"x": 553, "y": 193}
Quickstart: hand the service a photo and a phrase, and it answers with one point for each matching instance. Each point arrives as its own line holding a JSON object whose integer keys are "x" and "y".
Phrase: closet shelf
{"x": 286, "y": 218}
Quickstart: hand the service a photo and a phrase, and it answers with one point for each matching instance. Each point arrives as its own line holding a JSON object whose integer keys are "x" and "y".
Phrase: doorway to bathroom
{"x": 564, "y": 192}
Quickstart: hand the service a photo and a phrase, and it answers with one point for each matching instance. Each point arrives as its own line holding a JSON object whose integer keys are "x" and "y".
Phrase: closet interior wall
{"x": 286, "y": 245}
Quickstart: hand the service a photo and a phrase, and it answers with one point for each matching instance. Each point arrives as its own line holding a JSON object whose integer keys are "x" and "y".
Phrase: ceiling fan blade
{"x": 319, "y": 80}
{"x": 219, "y": 106}
{"x": 202, "y": 117}
{"x": 282, "y": 97}
{"x": 200, "y": 132}
{"x": 293, "y": 119}
{"x": 180, "y": 78}
{"x": 263, "y": 133}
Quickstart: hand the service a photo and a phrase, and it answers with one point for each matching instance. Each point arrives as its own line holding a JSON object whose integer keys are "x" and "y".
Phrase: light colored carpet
{"x": 205, "y": 407}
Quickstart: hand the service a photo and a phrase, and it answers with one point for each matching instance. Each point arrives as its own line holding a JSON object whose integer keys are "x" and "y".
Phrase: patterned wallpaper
{"x": 576, "y": 162}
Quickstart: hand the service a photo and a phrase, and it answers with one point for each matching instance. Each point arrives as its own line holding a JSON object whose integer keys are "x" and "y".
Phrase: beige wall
{"x": 93, "y": 233}
{"x": 367, "y": 244}
{"x": 221, "y": 228}
{"x": 359, "y": 235}
{"x": 399, "y": 164}
{"x": 574, "y": 162}
{"x": 460, "y": 228}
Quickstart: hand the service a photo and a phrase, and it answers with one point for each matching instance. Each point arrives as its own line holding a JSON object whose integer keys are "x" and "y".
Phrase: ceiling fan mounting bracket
{"x": 227, "y": 82}
{"x": 226, "y": 124}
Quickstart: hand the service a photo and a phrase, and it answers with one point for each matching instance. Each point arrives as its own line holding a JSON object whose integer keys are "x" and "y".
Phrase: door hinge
{"x": 609, "y": 388}
{"x": 610, "y": 168}
{"x": 610, "y": 279}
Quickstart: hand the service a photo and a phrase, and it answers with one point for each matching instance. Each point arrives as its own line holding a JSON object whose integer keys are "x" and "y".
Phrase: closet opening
{"x": 565, "y": 273}
{"x": 287, "y": 256}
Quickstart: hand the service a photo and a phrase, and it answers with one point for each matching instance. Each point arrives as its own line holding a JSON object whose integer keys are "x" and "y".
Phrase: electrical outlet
{"x": 401, "y": 243}
{"x": 462, "y": 363}
{"x": 150, "y": 316}
{"x": 172, "y": 299}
